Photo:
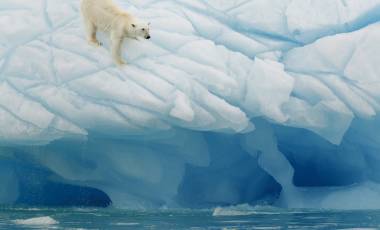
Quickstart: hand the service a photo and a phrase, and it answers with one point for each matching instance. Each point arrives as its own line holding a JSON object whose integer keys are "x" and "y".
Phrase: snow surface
{"x": 230, "y": 102}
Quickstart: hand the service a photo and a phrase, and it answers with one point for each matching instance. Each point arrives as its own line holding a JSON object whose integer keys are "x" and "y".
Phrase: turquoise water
{"x": 87, "y": 218}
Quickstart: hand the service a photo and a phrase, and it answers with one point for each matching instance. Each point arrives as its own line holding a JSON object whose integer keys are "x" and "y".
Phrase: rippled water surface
{"x": 265, "y": 218}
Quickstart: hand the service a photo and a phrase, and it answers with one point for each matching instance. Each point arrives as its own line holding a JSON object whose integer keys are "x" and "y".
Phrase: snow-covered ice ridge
{"x": 260, "y": 101}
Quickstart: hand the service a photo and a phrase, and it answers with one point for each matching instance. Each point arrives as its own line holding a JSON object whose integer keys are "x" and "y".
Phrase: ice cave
{"x": 270, "y": 102}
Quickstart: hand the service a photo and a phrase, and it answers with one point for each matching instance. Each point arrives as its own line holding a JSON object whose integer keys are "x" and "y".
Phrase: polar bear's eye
{"x": 143, "y": 29}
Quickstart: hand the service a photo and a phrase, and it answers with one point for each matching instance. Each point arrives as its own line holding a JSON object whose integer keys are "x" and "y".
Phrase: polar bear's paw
{"x": 95, "y": 43}
{"x": 120, "y": 63}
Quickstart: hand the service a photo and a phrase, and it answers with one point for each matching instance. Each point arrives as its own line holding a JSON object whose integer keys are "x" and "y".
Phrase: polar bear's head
{"x": 141, "y": 29}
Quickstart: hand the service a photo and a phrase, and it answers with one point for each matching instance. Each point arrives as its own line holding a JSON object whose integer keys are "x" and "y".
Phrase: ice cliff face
{"x": 231, "y": 102}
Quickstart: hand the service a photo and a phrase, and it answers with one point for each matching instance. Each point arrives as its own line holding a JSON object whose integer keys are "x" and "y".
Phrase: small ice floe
{"x": 37, "y": 221}
{"x": 243, "y": 210}
{"x": 358, "y": 228}
{"x": 239, "y": 210}
{"x": 126, "y": 224}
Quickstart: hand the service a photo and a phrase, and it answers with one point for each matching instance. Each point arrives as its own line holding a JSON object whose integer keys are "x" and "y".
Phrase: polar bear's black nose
{"x": 148, "y": 37}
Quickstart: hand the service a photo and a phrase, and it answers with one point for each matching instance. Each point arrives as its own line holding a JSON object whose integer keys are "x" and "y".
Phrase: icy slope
{"x": 240, "y": 101}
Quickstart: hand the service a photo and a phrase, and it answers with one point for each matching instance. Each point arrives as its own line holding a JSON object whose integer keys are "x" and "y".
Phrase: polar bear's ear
{"x": 133, "y": 25}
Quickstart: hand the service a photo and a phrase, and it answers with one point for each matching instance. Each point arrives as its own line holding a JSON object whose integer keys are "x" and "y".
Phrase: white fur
{"x": 106, "y": 16}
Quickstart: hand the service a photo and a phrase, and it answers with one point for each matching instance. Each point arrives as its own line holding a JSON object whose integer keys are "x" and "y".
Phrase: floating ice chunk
{"x": 244, "y": 210}
{"x": 37, "y": 221}
{"x": 240, "y": 210}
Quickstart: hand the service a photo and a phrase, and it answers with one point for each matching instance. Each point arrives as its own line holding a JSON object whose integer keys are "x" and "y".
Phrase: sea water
{"x": 220, "y": 218}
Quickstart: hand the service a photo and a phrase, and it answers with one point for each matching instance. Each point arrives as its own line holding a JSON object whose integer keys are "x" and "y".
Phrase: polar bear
{"x": 106, "y": 16}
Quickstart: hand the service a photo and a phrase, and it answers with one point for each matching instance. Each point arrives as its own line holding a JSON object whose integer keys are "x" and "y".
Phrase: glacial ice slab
{"x": 240, "y": 101}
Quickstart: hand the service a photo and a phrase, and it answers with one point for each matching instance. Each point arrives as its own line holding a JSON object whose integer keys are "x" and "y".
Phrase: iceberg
{"x": 271, "y": 102}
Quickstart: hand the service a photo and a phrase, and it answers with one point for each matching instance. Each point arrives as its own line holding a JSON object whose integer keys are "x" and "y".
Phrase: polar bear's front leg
{"x": 117, "y": 43}
{"x": 91, "y": 33}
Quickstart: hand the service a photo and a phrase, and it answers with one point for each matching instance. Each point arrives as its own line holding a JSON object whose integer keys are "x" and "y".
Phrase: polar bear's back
{"x": 100, "y": 12}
